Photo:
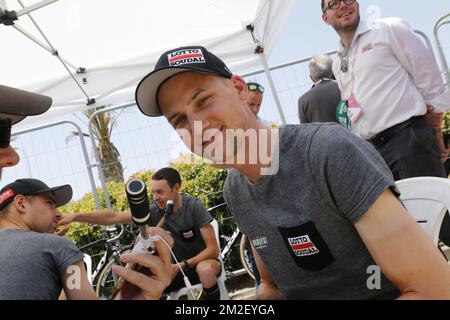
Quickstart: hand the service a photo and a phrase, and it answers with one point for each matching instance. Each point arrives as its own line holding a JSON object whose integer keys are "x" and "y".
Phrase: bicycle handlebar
{"x": 217, "y": 207}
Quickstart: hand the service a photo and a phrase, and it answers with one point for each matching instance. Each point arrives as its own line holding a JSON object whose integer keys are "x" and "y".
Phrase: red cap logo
{"x": 5, "y": 195}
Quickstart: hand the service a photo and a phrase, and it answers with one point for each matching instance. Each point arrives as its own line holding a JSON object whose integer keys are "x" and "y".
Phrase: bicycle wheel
{"x": 246, "y": 254}
{"x": 106, "y": 280}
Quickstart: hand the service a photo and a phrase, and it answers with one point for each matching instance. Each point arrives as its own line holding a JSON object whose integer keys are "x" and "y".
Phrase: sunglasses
{"x": 5, "y": 132}
{"x": 335, "y": 4}
{"x": 255, "y": 87}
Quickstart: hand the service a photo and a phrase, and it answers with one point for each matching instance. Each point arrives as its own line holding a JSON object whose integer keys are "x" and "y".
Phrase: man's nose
{"x": 9, "y": 158}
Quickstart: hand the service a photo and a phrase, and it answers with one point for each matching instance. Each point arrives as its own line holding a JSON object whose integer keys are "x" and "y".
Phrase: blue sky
{"x": 305, "y": 34}
{"x": 149, "y": 143}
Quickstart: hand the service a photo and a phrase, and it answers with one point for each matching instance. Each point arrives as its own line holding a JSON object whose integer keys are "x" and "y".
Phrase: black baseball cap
{"x": 172, "y": 62}
{"x": 33, "y": 187}
{"x": 16, "y": 104}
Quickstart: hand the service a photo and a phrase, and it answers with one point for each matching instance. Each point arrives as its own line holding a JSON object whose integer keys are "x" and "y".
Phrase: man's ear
{"x": 19, "y": 203}
{"x": 241, "y": 86}
{"x": 325, "y": 18}
{"x": 176, "y": 187}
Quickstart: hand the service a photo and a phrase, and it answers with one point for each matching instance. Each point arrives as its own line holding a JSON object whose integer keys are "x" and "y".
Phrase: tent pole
{"x": 272, "y": 87}
{"x": 34, "y": 7}
{"x": 41, "y": 44}
{"x": 3, "y": 6}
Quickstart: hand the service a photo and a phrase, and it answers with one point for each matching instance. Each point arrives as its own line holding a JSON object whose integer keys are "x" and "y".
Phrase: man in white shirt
{"x": 389, "y": 78}
{"x": 393, "y": 88}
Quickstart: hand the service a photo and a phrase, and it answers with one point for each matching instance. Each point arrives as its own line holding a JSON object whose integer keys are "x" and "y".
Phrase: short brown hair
{"x": 170, "y": 174}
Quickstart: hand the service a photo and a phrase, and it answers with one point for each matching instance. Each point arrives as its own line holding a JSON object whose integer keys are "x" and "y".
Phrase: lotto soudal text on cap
{"x": 172, "y": 62}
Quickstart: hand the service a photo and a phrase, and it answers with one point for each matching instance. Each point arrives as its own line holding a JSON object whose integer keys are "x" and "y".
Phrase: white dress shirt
{"x": 395, "y": 76}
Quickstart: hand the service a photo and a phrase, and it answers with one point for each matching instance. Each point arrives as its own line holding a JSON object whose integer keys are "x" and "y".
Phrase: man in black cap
{"x": 321, "y": 214}
{"x": 15, "y": 105}
{"x": 37, "y": 264}
{"x": 29, "y": 205}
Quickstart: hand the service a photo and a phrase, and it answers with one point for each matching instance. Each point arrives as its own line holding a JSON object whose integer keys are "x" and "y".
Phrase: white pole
{"x": 272, "y": 87}
{"x": 3, "y": 6}
{"x": 34, "y": 7}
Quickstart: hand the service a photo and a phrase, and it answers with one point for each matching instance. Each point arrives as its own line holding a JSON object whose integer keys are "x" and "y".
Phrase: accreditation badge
{"x": 342, "y": 114}
{"x": 354, "y": 109}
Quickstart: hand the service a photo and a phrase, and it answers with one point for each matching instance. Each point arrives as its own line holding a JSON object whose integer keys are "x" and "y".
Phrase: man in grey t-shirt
{"x": 195, "y": 244}
{"x": 37, "y": 265}
{"x": 15, "y": 105}
{"x": 327, "y": 222}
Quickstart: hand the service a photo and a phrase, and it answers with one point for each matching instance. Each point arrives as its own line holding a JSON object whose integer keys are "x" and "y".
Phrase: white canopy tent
{"x": 87, "y": 53}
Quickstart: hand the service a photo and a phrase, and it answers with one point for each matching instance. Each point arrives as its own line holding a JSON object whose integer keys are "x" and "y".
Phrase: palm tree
{"x": 103, "y": 125}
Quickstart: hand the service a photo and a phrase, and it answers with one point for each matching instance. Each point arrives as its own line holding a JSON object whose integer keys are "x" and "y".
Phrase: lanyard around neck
{"x": 352, "y": 85}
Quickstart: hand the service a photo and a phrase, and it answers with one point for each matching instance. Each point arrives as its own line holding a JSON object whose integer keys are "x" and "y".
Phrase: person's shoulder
{"x": 390, "y": 23}
{"x": 234, "y": 178}
{"x": 50, "y": 240}
{"x": 325, "y": 85}
{"x": 330, "y": 137}
{"x": 290, "y": 134}
{"x": 187, "y": 198}
{"x": 332, "y": 131}
{"x": 306, "y": 95}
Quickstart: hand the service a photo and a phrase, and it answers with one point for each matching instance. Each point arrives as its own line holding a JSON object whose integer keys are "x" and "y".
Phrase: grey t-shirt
{"x": 184, "y": 226}
{"x": 301, "y": 220}
{"x": 32, "y": 264}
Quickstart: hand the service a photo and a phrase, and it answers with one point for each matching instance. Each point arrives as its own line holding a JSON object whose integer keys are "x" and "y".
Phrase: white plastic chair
{"x": 427, "y": 199}
{"x": 198, "y": 287}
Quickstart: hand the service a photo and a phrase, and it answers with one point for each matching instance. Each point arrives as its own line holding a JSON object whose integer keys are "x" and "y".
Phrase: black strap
{"x": 383, "y": 137}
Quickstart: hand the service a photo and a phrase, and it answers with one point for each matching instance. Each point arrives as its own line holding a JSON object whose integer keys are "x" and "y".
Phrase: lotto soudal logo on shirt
{"x": 302, "y": 246}
{"x": 306, "y": 246}
{"x": 185, "y": 56}
{"x": 188, "y": 234}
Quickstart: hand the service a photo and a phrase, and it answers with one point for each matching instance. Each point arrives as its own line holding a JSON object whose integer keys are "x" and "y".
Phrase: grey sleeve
{"x": 62, "y": 251}
{"x": 301, "y": 111}
{"x": 201, "y": 215}
{"x": 348, "y": 172}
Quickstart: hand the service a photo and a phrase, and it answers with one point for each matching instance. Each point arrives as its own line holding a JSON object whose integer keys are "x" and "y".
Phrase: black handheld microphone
{"x": 140, "y": 211}
{"x": 139, "y": 206}
{"x": 167, "y": 212}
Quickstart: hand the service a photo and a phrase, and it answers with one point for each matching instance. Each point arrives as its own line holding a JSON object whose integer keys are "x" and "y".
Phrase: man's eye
{"x": 203, "y": 100}
{"x": 179, "y": 121}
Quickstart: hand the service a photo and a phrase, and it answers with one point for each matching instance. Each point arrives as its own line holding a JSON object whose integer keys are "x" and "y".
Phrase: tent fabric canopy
{"x": 109, "y": 45}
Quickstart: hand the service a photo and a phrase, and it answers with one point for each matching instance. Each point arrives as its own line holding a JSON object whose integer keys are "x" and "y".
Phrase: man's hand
{"x": 442, "y": 147}
{"x": 61, "y": 232}
{"x": 433, "y": 119}
{"x": 155, "y": 274}
{"x": 67, "y": 219}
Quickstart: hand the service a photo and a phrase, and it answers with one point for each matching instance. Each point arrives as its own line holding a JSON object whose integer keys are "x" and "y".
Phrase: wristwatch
{"x": 185, "y": 265}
